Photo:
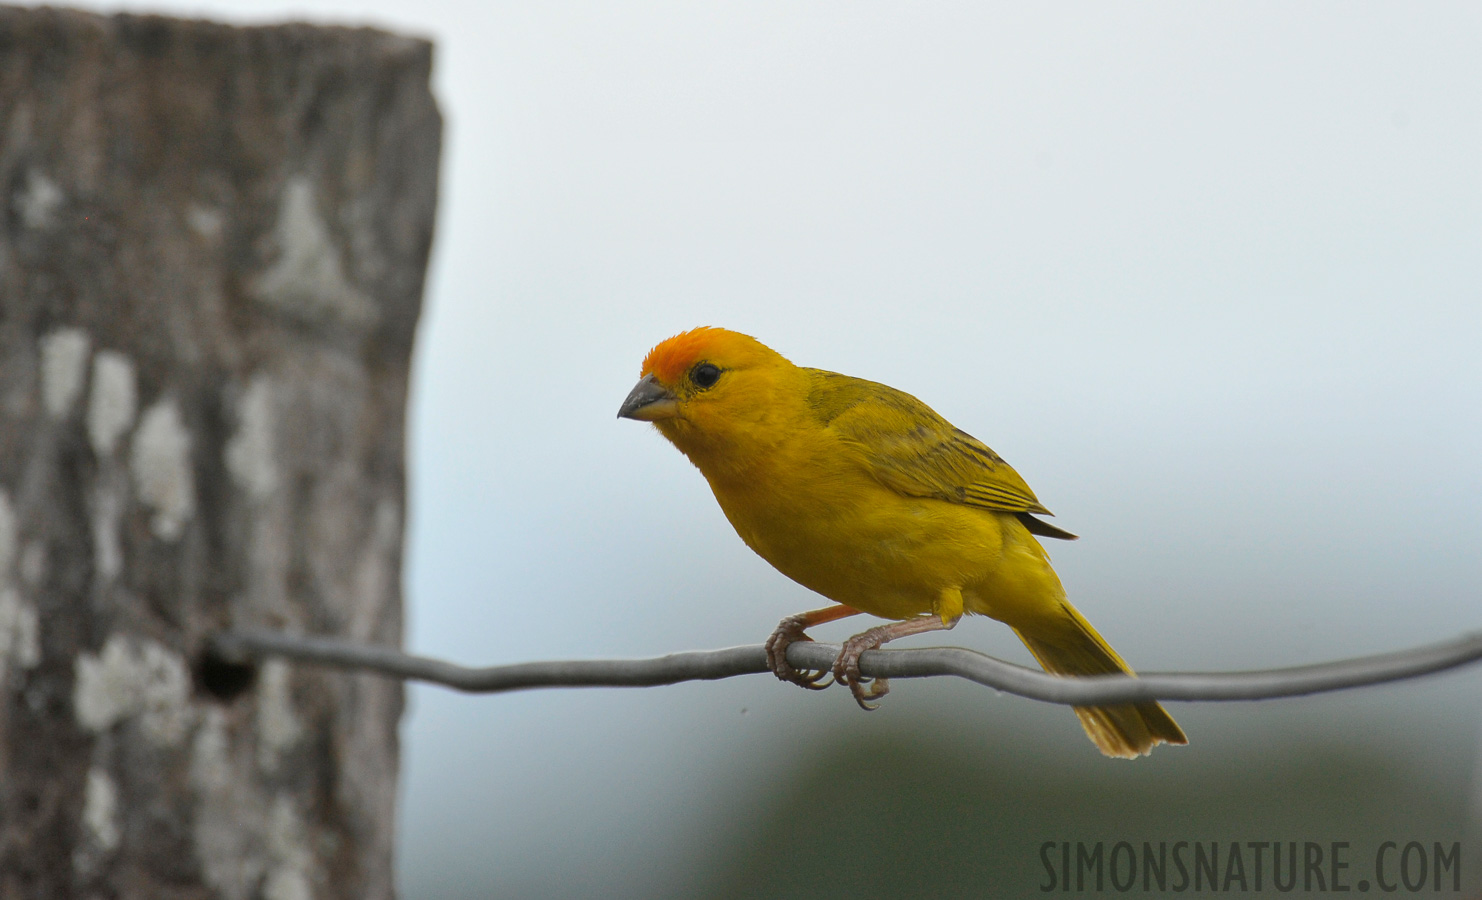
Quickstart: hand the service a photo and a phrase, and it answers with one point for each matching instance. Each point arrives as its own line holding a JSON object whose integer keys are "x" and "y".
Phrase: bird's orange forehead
{"x": 672, "y": 358}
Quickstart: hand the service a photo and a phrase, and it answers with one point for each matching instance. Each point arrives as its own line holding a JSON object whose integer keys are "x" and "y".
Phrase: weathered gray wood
{"x": 212, "y": 249}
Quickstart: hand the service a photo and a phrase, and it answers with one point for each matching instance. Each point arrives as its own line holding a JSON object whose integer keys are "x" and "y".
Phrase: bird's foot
{"x": 790, "y": 631}
{"x": 846, "y": 668}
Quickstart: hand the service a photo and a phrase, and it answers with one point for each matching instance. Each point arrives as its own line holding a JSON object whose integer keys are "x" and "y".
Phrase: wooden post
{"x": 212, "y": 250}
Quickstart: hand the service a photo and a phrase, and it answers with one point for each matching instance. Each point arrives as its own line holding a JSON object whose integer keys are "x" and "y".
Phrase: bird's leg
{"x": 790, "y": 631}
{"x": 846, "y": 667}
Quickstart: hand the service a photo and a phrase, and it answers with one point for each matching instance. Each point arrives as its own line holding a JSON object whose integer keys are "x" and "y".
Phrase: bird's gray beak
{"x": 649, "y": 401}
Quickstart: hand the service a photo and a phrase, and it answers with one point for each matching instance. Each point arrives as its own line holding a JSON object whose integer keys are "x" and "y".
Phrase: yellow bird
{"x": 864, "y": 494}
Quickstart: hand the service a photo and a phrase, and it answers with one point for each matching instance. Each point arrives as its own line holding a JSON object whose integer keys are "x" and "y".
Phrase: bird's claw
{"x": 846, "y": 672}
{"x": 790, "y": 631}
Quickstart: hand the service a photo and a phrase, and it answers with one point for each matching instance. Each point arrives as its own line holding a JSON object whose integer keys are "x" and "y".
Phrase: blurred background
{"x": 1209, "y": 276}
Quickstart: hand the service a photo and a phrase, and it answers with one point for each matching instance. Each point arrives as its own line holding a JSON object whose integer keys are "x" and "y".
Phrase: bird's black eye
{"x": 705, "y": 374}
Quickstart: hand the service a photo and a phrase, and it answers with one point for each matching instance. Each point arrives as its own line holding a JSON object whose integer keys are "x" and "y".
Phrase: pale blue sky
{"x": 1208, "y": 275}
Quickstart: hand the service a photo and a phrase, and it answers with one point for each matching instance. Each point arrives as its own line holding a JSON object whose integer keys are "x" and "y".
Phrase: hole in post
{"x": 222, "y": 678}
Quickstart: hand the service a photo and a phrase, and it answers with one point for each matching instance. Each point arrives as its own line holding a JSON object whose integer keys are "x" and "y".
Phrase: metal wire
{"x": 245, "y": 645}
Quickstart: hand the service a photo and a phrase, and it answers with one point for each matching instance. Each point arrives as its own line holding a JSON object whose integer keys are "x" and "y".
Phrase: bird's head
{"x": 706, "y": 385}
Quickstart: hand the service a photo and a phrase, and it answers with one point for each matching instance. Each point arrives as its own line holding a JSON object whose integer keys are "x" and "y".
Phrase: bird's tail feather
{"x": 1128, "y": 730}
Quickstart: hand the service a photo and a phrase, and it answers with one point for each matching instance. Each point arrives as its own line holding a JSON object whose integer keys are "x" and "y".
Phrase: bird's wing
{"x": 911, "y": 449}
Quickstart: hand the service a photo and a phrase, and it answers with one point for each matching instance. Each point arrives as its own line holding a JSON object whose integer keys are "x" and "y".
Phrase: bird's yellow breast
{"x": 828, "y": 525}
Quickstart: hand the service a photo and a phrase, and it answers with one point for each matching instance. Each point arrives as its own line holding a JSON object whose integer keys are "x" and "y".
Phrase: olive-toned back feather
{"x": 913, "y": 450}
